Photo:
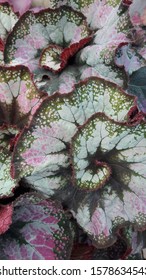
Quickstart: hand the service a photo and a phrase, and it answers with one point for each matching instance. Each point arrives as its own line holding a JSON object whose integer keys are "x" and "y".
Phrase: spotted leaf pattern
{"x": 40, "y": 230}
{"x": 42, "y": 152}
{"x": 36, "y": 31}
{"x": 109, "y": 158}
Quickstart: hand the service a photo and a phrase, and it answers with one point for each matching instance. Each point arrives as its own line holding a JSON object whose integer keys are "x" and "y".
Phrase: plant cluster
{"x": 72, "y": 129}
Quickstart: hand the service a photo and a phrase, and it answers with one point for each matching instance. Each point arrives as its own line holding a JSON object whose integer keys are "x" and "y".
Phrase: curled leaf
{"x": 42, "y": 151}
{"x": 33, "y": 33}
{"x": 120, "y": 194}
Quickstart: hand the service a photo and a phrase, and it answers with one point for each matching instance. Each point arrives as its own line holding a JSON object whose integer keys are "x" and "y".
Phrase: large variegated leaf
{"x": 109, "y": 158}
{"x": 19, "y": 98}
{"x": 6, "y": 212}
{"x": 7, "y": 184}
{"x": 40, "y": 230}
{"x": 137, "y": 87}
{"x": 42, "y": 150}
{"x": 33, "y": 33}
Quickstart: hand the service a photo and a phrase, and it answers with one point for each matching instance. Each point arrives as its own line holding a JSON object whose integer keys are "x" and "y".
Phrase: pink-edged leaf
{"x": 40, "y": 230}
{"x": 35, "y": 32}
{"x": 7, "y": 184}
{"x": 127, "y": 57}
{"x": 42, "y": 150}
{"x": 120, "y": 195}
{"x": 19, "y": 97}
{"x": 7, "y": 20}
{"x": 5, "y": 217}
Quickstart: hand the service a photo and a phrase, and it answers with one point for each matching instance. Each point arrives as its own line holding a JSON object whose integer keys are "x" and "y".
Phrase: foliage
{"x": 72, "y": 129}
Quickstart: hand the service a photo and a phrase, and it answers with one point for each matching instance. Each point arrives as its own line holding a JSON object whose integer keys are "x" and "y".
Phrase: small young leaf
{"x": 40, "y": 230}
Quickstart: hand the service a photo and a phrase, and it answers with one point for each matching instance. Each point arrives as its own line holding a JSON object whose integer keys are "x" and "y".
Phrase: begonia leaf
{"x": 40, "y": 230}
{"x": 36, "y": 31}
{"x": 42, "y": 150}
{"x": 6, "y": 212}
{"x": 127, "y": 57}
{"x": 137, "y": 87}
{"x": 110, "y": 158}
{"x": 7, "y": 184}
{"x": 19, "y": 97}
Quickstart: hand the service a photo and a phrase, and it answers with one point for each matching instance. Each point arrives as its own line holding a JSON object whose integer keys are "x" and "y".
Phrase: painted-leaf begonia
{"x": 34, "y": 32}
{"x": 42, "y": 150}
{"x": 73, "y": 154}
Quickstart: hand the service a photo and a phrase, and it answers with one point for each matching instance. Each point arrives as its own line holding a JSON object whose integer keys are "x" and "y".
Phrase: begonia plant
{"x": 72, "y": 129}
